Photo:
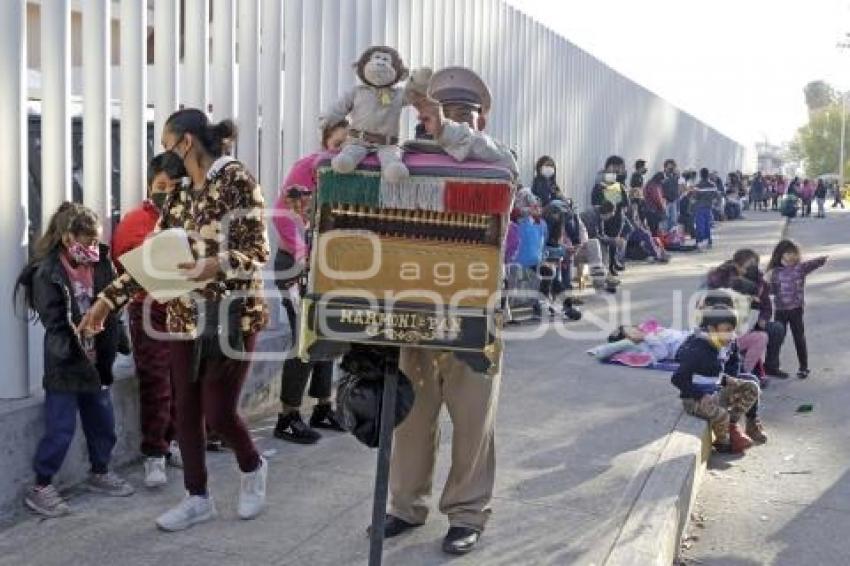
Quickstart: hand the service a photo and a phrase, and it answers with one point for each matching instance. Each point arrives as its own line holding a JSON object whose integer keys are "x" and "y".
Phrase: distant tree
{"x": 818, "y": 142}
{"x": 819, "y": 95}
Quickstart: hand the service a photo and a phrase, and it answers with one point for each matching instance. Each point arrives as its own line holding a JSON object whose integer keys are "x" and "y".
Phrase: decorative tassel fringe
{"x": 477, "y": 198}
{"x": 354, "y": 188}
{"x": 416, "y": 193}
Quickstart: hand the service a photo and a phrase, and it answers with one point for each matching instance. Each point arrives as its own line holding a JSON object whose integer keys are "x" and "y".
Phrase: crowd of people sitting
{"x": 552, "y": 246}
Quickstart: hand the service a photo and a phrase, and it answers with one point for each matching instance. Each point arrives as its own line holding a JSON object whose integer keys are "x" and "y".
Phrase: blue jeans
{"x": 672, "y": 214}
{"x": 60, "y": 421}
{"x": 702, "y": 217}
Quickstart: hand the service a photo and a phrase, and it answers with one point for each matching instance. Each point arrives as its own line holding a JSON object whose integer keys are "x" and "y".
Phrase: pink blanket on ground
{"x": 643, "y": 359}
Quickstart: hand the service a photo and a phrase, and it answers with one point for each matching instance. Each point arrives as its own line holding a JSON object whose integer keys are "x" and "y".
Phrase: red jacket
{"x": 132, "y": 231}
{"x": 653, "y": 196}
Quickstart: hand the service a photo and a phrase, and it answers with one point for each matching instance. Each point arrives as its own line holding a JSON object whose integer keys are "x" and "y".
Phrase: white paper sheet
{"x": 154, "y": 265}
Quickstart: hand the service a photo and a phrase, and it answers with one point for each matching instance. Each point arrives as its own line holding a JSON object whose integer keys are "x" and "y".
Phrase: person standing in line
{"x": 820, "y": 198}
{"x": 68, "y": 268}
{"x": 655, "y": 207}
{"x": 780, "y": 188}
{"x": 151, "y": 353}
{"x": 292, "y": 222}
{"x": 671, "y": 192}
{"x": 787, "y": 274}
{"x": 836, "y": 193}
{"x": 704, "y": 196}
{"x": 807, "y": 194}
{"x": 758, "y": 192}
{"x": 214, "y": 329}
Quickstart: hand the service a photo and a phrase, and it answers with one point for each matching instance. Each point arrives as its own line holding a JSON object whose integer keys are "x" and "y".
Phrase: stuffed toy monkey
{"x": 373, "y": 109}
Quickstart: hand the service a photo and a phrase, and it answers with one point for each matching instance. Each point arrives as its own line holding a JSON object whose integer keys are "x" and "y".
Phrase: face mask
{"x": 717, "y": 340}
{"x": 621, "y": 178}
{"x": 547, "y": 171}
{"x": 83, "y": 254}
{"x": 158, "y": 199}
{"x": 610, "y": 178}
{"x": 752, "y": 273}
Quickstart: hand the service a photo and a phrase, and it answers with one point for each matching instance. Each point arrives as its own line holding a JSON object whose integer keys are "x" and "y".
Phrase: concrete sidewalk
{"x": 578, "y": 444}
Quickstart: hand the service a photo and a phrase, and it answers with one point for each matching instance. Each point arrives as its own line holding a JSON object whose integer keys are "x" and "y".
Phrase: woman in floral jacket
{"x": 213, "y": 329}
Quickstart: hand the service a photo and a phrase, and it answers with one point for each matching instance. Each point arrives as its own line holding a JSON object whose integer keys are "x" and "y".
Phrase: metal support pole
{"x": 97, "y": 112}
{"x": 197, "y": 54}
{"x": 363, "y": 23}
{"x": 248, "y": 147}
{"x": 166, "y": 16}
{"x": 841, "y": 155}
{"x": 347, "y": 45}
{"x": 310, "y": 76}
{"x": 14, "y": 383}
{"x": 134, "y": 18}
{"x": 224, "y": 59}
{"x": 379, "y": 24}
{"x": 292, "y": 22}
{"x": 382, "y": 476}
{"x": 330, "y": 54}
{"x": 55, "y": 111}
{"x": 270, "y": 98}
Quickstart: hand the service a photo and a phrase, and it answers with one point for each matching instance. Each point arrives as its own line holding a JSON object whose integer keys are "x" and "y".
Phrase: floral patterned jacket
{"x": 225, "y": 219}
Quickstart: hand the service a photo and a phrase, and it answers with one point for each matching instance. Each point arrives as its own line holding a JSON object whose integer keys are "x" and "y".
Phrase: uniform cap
{"x": 460, "y": 85}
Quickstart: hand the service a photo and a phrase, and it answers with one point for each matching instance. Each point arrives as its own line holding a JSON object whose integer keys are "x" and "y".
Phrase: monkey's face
{"x": 379, "y": 70}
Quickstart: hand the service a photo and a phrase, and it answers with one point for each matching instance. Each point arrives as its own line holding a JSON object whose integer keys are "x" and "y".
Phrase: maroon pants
{"x": 153, "y": 368}
{"x": 211, "y": 398}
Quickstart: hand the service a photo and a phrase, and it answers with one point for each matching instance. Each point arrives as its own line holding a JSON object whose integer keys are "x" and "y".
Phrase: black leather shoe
{"x": 460, "y": 540}
{"x": 393, "y": 526}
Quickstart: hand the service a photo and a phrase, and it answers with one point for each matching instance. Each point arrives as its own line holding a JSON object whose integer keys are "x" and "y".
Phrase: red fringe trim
{"x": 477, "y": 198}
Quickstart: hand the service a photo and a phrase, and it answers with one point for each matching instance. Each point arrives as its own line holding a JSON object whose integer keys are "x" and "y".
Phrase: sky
{"x": 739, "y": 65}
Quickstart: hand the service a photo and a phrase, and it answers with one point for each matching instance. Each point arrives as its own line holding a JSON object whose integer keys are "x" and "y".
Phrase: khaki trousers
{"x": 471, "y": 399}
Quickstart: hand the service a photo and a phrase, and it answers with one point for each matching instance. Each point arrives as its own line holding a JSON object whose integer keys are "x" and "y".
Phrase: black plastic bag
{"x": 361, "y": 391}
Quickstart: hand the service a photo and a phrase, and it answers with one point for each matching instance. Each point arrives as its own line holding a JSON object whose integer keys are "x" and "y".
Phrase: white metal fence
{"x": 272, "y": 64}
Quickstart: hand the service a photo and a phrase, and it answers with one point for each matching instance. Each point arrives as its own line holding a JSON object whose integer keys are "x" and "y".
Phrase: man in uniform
{"x": 454, "y": 113}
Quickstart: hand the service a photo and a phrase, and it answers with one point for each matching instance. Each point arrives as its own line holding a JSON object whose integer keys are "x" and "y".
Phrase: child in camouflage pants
{"x": 707, "y": 392}
{"x": 724, "y": 408}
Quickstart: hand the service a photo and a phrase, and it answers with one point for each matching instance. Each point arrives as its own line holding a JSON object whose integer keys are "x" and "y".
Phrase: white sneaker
{"x": 155, "y": 472}
{"x": 192, "y": 510}
{"x": 175, "y": 458}
{"x": 252, "y": 492}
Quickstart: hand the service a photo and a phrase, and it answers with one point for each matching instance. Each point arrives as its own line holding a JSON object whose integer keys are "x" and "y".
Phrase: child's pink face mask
{"x": 84, "y": 254}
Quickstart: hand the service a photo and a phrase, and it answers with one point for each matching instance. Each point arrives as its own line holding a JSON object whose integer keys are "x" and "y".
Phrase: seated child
{"x": 652, "y": 342}
{"x": 706, "y": 390}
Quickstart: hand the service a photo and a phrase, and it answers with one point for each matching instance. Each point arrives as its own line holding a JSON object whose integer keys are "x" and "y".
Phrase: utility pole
{"x": 843, "y": 45}
{"x": 843, "y": 133}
